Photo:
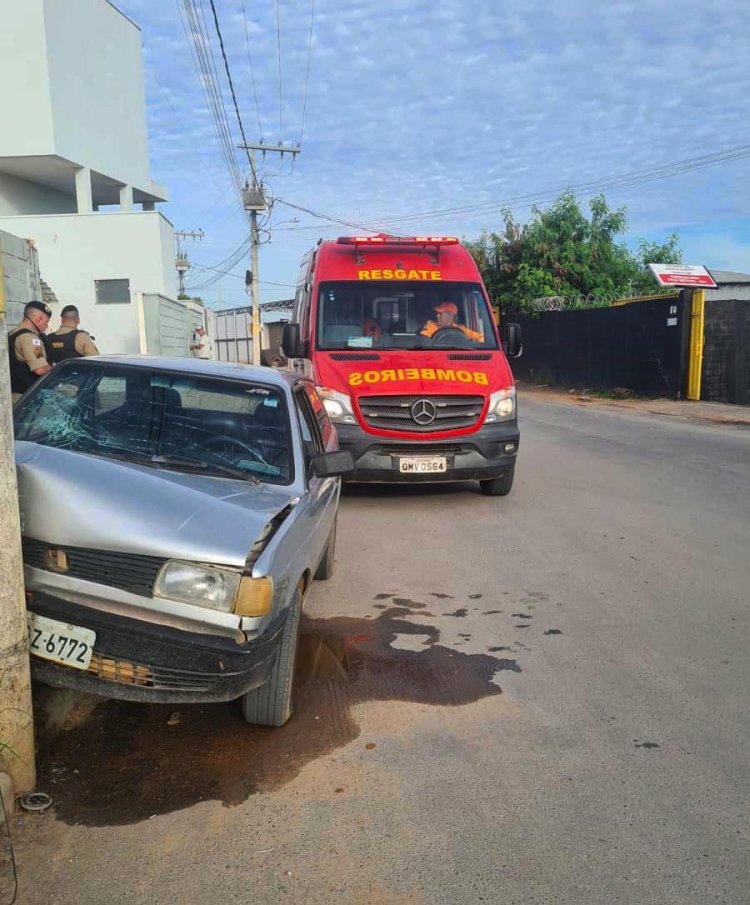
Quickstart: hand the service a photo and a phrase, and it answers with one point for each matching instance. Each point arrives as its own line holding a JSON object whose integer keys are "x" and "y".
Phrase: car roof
{"x": 199, "y": 366}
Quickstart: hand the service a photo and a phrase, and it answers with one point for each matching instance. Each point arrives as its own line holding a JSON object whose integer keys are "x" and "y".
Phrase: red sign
{"x": 682, "y": 275}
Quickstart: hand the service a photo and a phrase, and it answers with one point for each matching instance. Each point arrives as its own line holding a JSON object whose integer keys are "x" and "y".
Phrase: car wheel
{"x": 325, "y": 569}
{"x": 271, "y": 704}
{"x": 499, "y": 486}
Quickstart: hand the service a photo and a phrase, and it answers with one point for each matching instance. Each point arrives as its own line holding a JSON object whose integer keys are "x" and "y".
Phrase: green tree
{"x": 564, "y": 251}
{"x": 666, "y": 252}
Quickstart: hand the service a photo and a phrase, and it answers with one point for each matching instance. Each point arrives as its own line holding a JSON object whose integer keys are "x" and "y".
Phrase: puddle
{"x": 125, "y": 764}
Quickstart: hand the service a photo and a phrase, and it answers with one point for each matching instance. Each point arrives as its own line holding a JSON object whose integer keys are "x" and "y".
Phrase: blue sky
{"x": 417, "y": 106}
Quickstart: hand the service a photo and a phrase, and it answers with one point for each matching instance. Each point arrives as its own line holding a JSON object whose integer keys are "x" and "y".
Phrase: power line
{"x": 636, "y": 177}
{"x": 252, "y": 74}
{"x": 231, "y": 85}
{"x": 278, "y": 45}
{"x": 307, "y": 77}
{"x": 321, "y": 216}
{"x": 200, "y": 47}
{"x": 241, "y": 276}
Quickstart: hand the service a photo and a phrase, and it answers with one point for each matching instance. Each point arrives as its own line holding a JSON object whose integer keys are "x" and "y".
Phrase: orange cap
{"x": 446, "y": 306}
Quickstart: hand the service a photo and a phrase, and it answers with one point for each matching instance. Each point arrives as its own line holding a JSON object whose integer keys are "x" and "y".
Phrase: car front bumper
{"x": 479, "y": 456}
{"x": 136, "y": 660}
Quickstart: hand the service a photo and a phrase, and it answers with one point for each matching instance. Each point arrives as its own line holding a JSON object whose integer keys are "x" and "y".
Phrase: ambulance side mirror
{"x": 291, "y": 344}
{"x": 512, "y": 342}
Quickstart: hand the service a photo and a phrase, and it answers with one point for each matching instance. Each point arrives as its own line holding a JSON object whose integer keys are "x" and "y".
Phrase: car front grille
{"x": 123, "y": 672}
{"x": 410, "y": 414}
{"x": 127, "y": 571}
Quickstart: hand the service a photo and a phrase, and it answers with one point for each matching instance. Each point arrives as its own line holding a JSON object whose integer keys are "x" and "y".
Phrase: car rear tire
{"x": 325, "y": 569}
{"x": 271, "y": 704}
{"x": 499, "y": 486}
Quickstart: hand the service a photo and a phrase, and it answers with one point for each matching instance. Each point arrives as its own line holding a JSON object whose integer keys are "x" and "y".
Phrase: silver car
{"x": 174, "y": 513}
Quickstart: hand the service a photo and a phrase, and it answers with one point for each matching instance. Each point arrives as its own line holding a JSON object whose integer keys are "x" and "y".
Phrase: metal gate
{"x": 232, "y": 335}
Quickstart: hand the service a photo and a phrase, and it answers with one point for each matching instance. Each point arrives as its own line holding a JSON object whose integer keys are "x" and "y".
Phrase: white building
{"x": 74, "y": 168}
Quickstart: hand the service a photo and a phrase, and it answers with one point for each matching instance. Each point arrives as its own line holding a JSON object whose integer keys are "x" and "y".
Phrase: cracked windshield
{"x": 403, "y": 315}
{"x": 166, "y": 420}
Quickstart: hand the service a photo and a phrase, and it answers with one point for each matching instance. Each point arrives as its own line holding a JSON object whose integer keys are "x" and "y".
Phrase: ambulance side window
{"x": 306, "y": 313}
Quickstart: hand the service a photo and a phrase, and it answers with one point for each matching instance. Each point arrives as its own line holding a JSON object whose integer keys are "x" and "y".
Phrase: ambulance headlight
{"x": 338, "y": 406}
{"x": 502, "y": 405}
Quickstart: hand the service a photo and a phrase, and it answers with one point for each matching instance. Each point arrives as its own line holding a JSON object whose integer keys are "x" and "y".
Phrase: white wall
{"x": 24, "y": 83}
{"x": 71, "y": 73}
{"x": 77, "y": 249}
{"x": 19, "y": 196}
{"x": 96, "y": 85}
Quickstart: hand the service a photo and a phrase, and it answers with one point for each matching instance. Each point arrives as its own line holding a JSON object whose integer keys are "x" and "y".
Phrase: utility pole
{"x": 16, "y": 718}
{"x": 182, "y": 262}
{"x": 254, "y": 201}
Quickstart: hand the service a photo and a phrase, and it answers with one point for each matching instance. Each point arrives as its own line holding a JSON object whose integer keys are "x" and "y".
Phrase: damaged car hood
{"x": 77, "y": 500}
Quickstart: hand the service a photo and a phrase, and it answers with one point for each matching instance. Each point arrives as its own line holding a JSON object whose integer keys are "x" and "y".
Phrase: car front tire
{"x": 271, "y": 703}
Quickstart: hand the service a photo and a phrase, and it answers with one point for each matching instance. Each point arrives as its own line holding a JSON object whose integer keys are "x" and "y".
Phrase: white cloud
{"x": 417, "y": 106}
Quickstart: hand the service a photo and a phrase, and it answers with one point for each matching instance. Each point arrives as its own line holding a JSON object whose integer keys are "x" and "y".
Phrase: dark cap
{"x": 38, "y": 306}
{"x": 69, "y": 309}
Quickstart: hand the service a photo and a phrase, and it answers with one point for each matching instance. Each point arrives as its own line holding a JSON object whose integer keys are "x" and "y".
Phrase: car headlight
{"x": 338, "y": 405}
{"x": 502, "y": 405}
{"x": 203, "y": 586}
{"x": 216, "y": 589}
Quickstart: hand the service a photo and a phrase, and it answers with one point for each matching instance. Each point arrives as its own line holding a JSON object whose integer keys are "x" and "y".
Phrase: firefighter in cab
{"x": 68, "y": 341}
{"x": 445, "y": 317}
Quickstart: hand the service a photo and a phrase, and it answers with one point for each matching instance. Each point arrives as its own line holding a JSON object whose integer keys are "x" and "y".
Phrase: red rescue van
{"x": 399, "y": 337}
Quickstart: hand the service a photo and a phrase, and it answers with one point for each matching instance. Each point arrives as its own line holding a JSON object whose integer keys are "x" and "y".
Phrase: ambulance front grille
{"x": 397, "y": 413}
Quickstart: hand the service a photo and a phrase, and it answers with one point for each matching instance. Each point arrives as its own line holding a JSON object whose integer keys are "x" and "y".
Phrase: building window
{"x": 112, "y": 292}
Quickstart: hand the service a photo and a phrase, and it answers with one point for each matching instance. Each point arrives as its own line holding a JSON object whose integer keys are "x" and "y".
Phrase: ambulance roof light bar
{"x": 383, "y": 239}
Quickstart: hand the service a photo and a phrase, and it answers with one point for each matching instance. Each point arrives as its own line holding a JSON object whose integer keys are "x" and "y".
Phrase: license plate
{"x": 423, "y": 465}
{"x": 69, "y": 645}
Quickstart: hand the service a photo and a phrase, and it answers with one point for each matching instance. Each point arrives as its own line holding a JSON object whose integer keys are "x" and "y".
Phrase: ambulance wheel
{"x": 325, "y": 569}
{"x": 271, "y": 704}
{"x": 499, "y": 486}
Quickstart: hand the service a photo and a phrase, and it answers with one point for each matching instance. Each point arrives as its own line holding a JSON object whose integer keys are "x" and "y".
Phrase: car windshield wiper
{"x": 104, "y": 453}
{"x": 200, "y": 465}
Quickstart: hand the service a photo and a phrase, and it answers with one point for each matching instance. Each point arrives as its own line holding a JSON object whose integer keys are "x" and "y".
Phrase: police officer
{"x": 27, "y": 352}
{"x": 68, "y": 341}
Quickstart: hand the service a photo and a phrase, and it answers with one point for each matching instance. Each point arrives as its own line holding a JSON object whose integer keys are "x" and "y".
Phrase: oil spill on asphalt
{"x": 124, "y": 764}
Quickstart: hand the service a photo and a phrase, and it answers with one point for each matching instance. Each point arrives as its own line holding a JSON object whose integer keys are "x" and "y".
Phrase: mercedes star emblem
{"x": 423, "y": 412}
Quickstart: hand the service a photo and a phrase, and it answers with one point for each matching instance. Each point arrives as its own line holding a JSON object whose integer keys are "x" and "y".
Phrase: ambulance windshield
{"x": 403, "y": 315}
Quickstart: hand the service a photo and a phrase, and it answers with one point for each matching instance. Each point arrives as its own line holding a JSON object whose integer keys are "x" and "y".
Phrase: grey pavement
{"x": 536, "y": 699}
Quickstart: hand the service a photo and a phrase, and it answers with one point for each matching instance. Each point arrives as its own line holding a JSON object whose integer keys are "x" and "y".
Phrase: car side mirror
{"x": 332, "y": 464}
{"x": 291, "y": 344}
{"x": 512, "y": 342}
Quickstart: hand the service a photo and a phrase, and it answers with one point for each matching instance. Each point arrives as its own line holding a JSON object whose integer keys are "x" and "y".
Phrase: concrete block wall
{"x": 726, "y": 357}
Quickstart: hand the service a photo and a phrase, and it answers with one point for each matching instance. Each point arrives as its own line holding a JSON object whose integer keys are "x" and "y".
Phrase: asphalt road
{"x": 537, "y": 699}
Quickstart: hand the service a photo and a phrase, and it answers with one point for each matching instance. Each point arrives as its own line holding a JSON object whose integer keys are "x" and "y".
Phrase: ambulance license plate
{"x": 423, "y": 465}
{"x": 69, "y": 645}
